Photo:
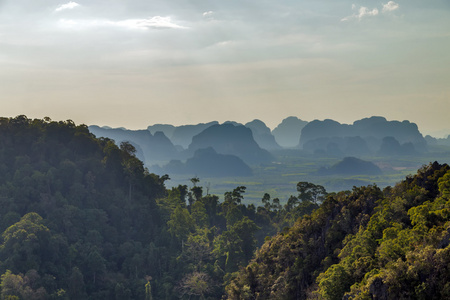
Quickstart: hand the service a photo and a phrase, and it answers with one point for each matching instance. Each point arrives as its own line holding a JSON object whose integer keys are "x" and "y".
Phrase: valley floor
{"x": 279, "y": 178}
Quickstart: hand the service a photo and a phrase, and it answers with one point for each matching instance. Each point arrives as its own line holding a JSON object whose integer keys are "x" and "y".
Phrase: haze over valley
{"x": 337, "y": 156}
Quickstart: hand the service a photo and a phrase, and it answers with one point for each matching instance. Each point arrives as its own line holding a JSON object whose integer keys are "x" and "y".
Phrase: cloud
{"x": 208, "y": 13}
{"x": 364, "y": 11}
{"x": 156, "y": 22}
{"x": 69, "y": 5}
{"x": 390, "y": 6}
{"x": 361, "y": 13}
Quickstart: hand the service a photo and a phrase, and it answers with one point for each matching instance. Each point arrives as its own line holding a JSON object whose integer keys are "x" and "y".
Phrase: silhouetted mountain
{"x": 182, "y": 135}
{"x": 323, "y": 129}
{"x": 379, "y": 127}
{"x": 208, "y": 163}
{"x": 233, "y": 123}
{"x": 338, "y": 146}
{"x": 390, "y": 146}
{"x": 287, "y": 133}
{"x": 258, "y": 126}
{"x": 431, "y": 140}
{"x": 153, "y": 148}
{"x": 230, "y": 139}
{"x": 174, "y": 166}
{"x": 351, "y": 166}
{"x": 162, "y": 146}
{"x": 262, "y": 135}
{"x": 371, "y": 130}
{"x": 438, "y": 141}
{"x": 167, "y": 129}
{"x": 356, "y": 145}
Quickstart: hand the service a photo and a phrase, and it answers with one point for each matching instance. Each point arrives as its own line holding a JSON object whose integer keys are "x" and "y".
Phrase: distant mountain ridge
{"x": 153, "y": 148}
{"x": 329, "y": 134}
{"x": 181, "y": 135}
{"x": 253, "y": 142}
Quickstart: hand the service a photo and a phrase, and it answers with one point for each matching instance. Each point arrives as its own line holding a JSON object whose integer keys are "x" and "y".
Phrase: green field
{"x": 279, "y": 178}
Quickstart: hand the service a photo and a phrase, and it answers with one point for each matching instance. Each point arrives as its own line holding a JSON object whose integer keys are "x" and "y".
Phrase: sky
{"x": 134, "y": 63}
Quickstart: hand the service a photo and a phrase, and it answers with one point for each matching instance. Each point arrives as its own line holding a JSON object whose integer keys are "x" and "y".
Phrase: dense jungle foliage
{"x": 81, "y": 218}
{"x": 361, "y": 244}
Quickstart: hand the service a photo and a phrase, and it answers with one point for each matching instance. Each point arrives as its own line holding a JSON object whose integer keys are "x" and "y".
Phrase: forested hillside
{"x": 78, "y": 214}
{"x": 361, "y": 244}
{"x": 81, "y": 218}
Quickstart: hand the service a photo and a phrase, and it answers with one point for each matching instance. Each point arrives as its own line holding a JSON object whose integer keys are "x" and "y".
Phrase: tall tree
{"x": 311, "y": 192}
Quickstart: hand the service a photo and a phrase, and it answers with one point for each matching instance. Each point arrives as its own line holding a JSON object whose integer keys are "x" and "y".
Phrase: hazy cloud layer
{"x": 185, "y": 62}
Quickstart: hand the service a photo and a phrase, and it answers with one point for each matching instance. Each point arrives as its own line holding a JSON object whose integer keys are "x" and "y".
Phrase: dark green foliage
{"x": 363, "y": 244}
{"x": 83, "y": 219}
{"x": 311, "y": 192}
{"x": 80, "y": 198}
{"x": 287, "y": 265}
